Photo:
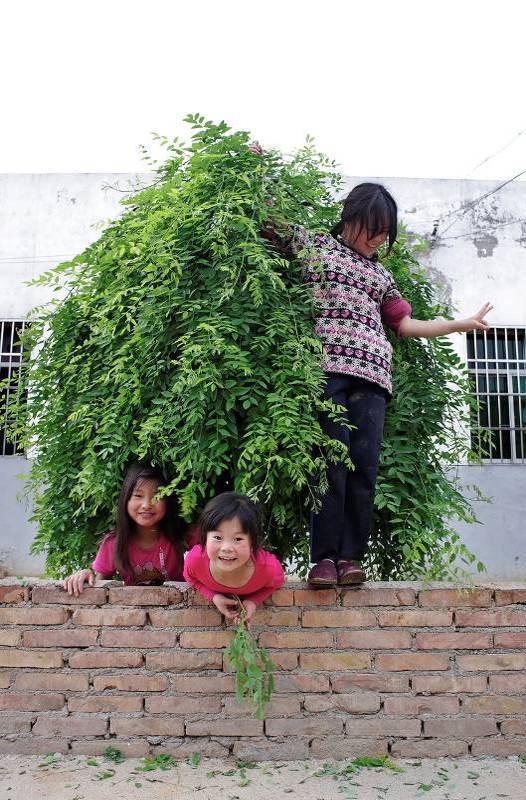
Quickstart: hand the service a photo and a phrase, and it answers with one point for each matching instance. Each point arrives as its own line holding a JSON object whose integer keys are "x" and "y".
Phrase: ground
{"x": 87, "y": 778}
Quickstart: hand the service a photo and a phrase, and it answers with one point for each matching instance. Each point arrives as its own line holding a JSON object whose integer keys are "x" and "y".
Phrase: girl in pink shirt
{"x": 147, "y": 544}
{"x": 229, "y": 560}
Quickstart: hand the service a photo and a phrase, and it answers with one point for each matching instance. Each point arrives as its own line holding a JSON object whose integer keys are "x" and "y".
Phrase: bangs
{"x": 370, "y": 206}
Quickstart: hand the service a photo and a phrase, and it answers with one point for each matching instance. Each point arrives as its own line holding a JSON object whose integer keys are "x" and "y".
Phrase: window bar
{"x": 488, "y": 397}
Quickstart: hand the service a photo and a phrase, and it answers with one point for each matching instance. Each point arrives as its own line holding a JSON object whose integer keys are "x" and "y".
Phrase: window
{"x": 497, "y": 367}
{"x": 10, "y": 358}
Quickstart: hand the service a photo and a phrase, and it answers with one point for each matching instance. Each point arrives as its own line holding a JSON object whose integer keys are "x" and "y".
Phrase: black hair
{"x": 230, "y": 505}
{"x": 171, "y": 524}
{"x": 370, "y": 206}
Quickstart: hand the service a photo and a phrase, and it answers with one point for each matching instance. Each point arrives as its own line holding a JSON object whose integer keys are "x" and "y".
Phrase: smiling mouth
{"x": 226, "y": 558}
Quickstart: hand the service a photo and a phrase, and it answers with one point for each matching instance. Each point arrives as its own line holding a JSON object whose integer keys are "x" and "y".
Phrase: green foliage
{"x": 418, "y": 492}
{"x": 253, "y": 668}
{"x": 184, "y": 338}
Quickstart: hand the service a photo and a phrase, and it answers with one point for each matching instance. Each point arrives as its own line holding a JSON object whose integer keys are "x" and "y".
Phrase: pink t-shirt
{"x": 268, "y": 576}
{"x": 157, "y": 564}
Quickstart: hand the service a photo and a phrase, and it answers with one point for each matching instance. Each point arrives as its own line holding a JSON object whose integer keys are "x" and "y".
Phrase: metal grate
{"x": 10, "y": 359}
{"x": 497, "y": 367}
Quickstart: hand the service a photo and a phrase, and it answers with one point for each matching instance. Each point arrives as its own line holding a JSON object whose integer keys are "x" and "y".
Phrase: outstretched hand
{"x": 476, "y": 322}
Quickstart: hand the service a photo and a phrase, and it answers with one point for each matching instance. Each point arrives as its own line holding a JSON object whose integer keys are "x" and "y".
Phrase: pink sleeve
{"x": 393, "y": 312}
{"x": 193, "y": 572}
{"x": 104, "y": 559}
{"x": 274, "y": 580}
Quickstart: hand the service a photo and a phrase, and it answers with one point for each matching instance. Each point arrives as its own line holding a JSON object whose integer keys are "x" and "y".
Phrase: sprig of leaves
{"x": 253, "y": 668}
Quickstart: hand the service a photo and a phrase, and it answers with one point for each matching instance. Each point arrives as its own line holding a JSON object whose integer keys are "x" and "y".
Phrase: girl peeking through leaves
{"x": 355, "y": 298}
{"x": 229, "y": 562}
{"x": 148, "y": 542}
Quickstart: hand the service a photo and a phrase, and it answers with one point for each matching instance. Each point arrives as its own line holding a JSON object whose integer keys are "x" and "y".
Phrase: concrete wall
{"x": 16, "y": 532}
{"x": 476, "y": 255}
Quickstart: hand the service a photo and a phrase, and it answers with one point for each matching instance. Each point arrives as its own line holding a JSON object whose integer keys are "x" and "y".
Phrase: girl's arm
{"x": 275, "y": 579}
{"x": 429, "y": 328}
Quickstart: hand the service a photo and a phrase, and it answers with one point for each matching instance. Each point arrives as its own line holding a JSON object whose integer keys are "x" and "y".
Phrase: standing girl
{"x": 356, "y": 296}
{"x": 229, "y": 560}
{"x": 147, "y": 544}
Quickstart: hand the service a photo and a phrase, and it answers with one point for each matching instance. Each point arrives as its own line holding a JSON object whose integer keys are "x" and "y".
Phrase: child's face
{"x": 141, "y": 508}
{"x": 228, "y": 546}
{"x": 362, "y": 242}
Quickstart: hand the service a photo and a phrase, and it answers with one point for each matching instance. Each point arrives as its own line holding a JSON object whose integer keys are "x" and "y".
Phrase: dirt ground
{"x": 86, "y": 778}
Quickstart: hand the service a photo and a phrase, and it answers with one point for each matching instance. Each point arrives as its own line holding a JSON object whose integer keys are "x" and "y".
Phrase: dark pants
{"x": 341, "y": 528}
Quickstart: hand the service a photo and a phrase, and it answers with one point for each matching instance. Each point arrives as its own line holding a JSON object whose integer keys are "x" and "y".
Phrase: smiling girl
{"x": 229, "y": 561}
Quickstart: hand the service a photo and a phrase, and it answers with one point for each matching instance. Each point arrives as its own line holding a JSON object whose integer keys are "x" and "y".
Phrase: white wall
{"x": 481, "y": 256}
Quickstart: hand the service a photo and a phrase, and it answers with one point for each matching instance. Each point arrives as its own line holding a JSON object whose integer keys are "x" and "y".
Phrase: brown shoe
{"x": 350, "y": 572}
{"x": 323, "y": 574}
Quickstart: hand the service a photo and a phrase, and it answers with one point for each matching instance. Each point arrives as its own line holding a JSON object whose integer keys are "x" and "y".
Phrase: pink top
{"x": 393, "y": 312}
{"x": 268, "y": 576}
{"x": 158, "y": 564}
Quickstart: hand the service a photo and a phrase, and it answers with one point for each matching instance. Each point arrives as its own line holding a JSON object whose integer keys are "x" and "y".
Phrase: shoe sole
{"x": 321, "y": 582}
{"x": 353, "y": 578}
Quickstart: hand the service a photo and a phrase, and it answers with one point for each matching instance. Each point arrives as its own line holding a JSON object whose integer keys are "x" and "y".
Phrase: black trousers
{"x": 341, "y": 528}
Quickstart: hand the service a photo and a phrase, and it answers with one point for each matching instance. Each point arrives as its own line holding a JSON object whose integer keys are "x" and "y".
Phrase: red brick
{"x": 507, "y": 683}
{"x": 494, "y": 618}
{"x": 130, "y": 748}
{"x": 378, "y": 596}
{"x": 279, "y": 706}
{"x": 14, "y": 594}
{"x": 492, "y": 662}
{"x": 296, "y": 640}
{"x": 204, "y": 639}
{"x": 185, "y": 661}
{"x": 31, "y": 702}
{"x": 51, "y": 681}
{"x": 95, "y": 596}
{"x": 185, "y": 748}
{"x": 399, "y": 662}
{"x": 147, "y": 726}
{"x": 315, "y": 597}
{"x": 497, "y": 747}
{"x": 368, "y": 682}
{"x": 304, "y": 726}
{"x": 455, "y": 598}
{"x": 28, "y": 658}
{"x": 206, "y": 684}
{"x": 15, "y": 723}
{"x": 453, "y": 641}
{"x": 63, "y": 637}
{"x": 33, "y": 616}
{"x": 508, "y": 597}
{"x": 131, "y": 682}
{"x": 31, "y": 745}
{"x": 301, "y": 682}
{"x": 184, "y": 618}
{"x": 279, "y": 617}
{"x": 70, "y": 726}
{"x": 494, "y": 704}
{"x": 513, "y": 727}
{"x": 283, "y": 597}
{"x": 415, "y": 618}
{"x": 107, "y": 617}
{"x": 105, "y": 703}
{"x": 138, "y": 639}
{"x": 337, "y": 661}
{"x": 344, "y": 748}
{"x": 225, "y": 727}
{"x": 284, "y": 659}
{"x": 382, "y": 726}
{"x": 9, "y": 637}
{"x": 356, "y": 703}
{"x": 429, "y": 748}
{"x": 104, "y": 659}
{"x": 416, "y": 706}
{"x": 460, "y": 728}
{"x": 5, "y": 680}
{"x": 514, "y": 639}
{"x": 145, "y": 596}
{"x": 339, "y": 618}
{"x": 262, "y": 750}
{"x": 456, "y": 684}
{"x": 175, "y": 704}
{"x": 374, "y": 640}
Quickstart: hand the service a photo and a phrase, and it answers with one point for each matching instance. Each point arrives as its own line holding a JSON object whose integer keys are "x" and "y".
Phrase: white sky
{"x": 407, "y": 88}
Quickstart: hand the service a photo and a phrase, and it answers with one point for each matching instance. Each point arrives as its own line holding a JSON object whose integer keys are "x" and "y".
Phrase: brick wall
{"x": 403, "y": 668}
